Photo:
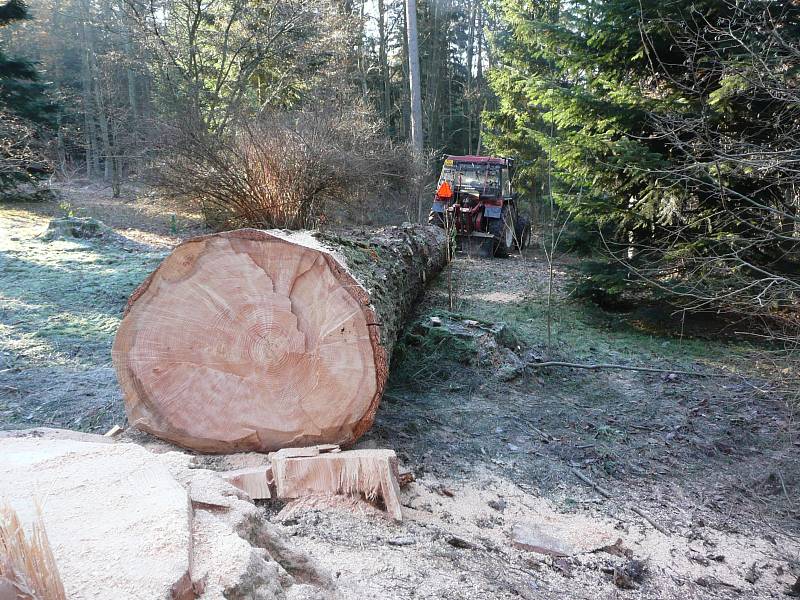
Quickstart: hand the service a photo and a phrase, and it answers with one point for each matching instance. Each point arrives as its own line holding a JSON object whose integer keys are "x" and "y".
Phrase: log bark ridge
{"x": 260, "y": 340}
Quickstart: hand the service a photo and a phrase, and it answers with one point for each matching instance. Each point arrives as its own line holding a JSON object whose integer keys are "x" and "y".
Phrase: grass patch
{"x": 581, "y": 331}
{"x": 425, "y": 353}
{"x": 61, "y": 301}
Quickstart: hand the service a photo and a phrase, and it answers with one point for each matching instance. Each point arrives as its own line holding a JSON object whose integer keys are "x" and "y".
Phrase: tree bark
{"x": 255, "y": 340}
{"x": 414, "y": 77}
{"x": 92, "y": 162}
{"x": 405, "y": 100}
{"x": 383, "y": 58}
{"x": 99, "y": 104}
{"x": 479, "y": 75}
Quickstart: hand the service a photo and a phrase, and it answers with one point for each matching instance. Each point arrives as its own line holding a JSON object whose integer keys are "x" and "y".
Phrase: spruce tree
{"x": 669, "y": 125}
{"x": 25, "y": 111}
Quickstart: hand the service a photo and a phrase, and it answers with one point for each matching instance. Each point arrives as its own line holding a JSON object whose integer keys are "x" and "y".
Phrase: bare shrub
{"x": 22, "y": 152}
{"x": 287, "y": 170}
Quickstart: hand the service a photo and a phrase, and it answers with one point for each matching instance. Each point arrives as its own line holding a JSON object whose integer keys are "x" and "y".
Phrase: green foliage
{"x": 426, "y": 353}
{"x": 66, "y": 208}
{"x": 22, "y": 93}
{"x": 580, "y": 238}
{"x": 667, "y": 125}
{"x": 24, "y": 109}
{"x": 607, "y": 284}
{"x": 571, "y": 89}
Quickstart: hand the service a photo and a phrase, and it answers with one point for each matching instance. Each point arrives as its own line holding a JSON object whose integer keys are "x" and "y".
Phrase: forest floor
{"x": 703, "y": 472}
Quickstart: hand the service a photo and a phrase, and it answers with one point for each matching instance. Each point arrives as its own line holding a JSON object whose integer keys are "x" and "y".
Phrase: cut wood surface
{"x": 260, "y": 340}
{"x": 370, "y": 474}
{"x": 28, "y": 568}
{"x": 118, "y": 523}
{"x": 253, "y": 481}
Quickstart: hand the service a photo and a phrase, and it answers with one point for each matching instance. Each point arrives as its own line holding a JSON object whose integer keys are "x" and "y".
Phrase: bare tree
{"x": 214, "y": 59}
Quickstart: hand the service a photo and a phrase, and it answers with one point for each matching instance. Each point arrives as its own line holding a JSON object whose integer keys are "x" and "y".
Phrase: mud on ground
{"x": 496, "y": 444}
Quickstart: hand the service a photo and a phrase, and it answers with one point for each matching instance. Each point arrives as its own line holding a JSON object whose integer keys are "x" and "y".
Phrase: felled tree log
{"x": 261, "y": 340}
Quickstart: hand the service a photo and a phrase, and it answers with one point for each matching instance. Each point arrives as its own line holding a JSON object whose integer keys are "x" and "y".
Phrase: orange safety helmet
{"x": 445, "y": 191}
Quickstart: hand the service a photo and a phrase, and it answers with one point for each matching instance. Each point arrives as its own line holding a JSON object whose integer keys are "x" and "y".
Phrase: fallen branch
{"x": 555, "y": 363}
{"x": 606, "y": 494}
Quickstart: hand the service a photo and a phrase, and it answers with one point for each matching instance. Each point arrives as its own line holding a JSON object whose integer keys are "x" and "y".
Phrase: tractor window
{"x": 506, "y": 183}
{"x": 447, "y": 175}
{"x": 478, "y": 177}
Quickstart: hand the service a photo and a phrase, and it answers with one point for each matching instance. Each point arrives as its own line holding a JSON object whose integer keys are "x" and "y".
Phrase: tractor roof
{"x": 482, "y": 160}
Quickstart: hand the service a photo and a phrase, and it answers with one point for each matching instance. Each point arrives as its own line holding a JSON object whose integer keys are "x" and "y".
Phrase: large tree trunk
{"x": 383, "y": 59}
{"x": 415, "y": 80}
{"x": 261, "y": 340}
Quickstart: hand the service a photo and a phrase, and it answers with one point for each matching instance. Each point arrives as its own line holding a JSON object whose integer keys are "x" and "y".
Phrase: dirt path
{"x": 714, "y": 462}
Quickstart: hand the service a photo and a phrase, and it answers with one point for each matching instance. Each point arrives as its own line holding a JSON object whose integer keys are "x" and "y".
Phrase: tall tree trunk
{"x": 383, "y": 58}
{"x": 135, "y": 121}
{"x": 479, "y": 69}
{"x": 490, "y": 26}
{"x": 61, "y": 152}
{"x": 415, "y": 82}
{"x": 470, "y": 58}
{"x": 90, "y": 134}
{"x": 131, "y": 78}
{"x": 406, "y": 95}
{"x": 94, "y": 78}
{"x": 116, "y": 162}
{"x": 414, "y": 88}
{"x": 362, "y": 53}
{"x": 431, "y": 76}
{"x": 102, "y": 119}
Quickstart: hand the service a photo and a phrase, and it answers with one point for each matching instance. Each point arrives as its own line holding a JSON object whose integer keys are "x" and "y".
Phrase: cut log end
{"x": 247, "y": 340}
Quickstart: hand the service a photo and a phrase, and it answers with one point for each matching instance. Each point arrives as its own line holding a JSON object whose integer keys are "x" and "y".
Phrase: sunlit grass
{"x": 61, "y": 301}
{"x": 580, "y": 331}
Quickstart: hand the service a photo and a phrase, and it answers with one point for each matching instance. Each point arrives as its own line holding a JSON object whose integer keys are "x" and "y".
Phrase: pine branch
{"x": 13, "y": 10}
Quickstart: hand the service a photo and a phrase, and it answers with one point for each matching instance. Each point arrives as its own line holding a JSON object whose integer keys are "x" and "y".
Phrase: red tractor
{"x": 475, "y": 198}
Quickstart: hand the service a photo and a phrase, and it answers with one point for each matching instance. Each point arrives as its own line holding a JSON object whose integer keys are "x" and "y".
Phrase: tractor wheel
{"x": 436, "y": 218}
{"x": 503, "y": 231}
{"x": 522, "y": 233}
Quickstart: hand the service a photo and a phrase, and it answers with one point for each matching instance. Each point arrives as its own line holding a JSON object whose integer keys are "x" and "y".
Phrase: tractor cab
{"x": 474, "y": 197}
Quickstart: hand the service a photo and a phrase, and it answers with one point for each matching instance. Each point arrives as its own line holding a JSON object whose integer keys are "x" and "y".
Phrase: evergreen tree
{"x": 24, "y": 108}
{"x": 670, "y": 125}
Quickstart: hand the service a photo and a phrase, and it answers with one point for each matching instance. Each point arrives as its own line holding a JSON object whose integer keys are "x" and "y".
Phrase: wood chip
{"x": 370, "y": 473}
{"x": 404, "y": 477}
{"x": 458, "y": 542}
{"x": 115, "y": 430}
{"x": 253, "y": 481}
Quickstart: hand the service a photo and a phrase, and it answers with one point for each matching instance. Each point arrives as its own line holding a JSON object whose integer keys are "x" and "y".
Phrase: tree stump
{"x": 260, "y": 340}
{"x": 76, "y": 228}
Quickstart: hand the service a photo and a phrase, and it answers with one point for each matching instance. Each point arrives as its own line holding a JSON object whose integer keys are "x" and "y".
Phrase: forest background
{"x": 658, "y": 140}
